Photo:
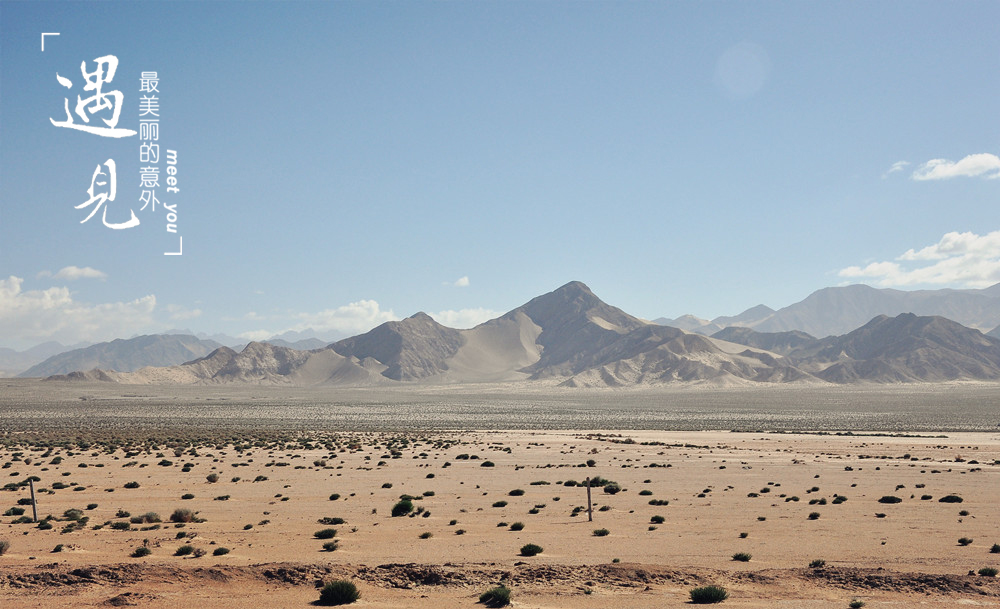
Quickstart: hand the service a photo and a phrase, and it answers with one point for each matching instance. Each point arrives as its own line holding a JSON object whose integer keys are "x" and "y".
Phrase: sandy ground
{"x": 718, "y": 485}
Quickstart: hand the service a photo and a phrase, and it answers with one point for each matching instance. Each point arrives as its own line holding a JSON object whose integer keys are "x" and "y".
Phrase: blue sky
{"x": 341, "y": 164}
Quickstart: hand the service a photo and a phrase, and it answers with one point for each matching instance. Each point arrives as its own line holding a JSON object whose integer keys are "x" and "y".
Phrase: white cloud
{"x": 257, "y": 335}
{"x": 959, "y": 259}
{"x": 462, "y": 282}
{"x": 33, "y": 316}
{"x": 353, "y": 318}
{"x": 72, "y": 273}
{"x": 465, "y": 318}
{"x": 875, "y": 269}
{"x": 897, "y": 166}
{"x": 975, "y": 165}
{"x": 177, "y": 312}
{"x": 359, "y": 316}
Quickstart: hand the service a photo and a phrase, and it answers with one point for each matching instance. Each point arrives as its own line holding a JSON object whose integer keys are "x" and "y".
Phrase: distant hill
{"x": 777, "y": 342}
{"x": 126, "y": 355}
{"x": 256, "y": 364}
{"x": 305, "y": 344}
{"x": 690, "y": 323}
{"x": 14, "y": 362}
{"x": 838, "y": 310}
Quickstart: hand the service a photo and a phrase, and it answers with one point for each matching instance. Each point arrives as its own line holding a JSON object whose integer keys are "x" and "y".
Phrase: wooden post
{"x": 590, "y": 504}
{"x": 34, "y": 508}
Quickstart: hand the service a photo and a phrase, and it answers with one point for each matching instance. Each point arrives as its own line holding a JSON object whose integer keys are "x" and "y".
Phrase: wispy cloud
{"x": 464, "y": 318}
{"x": 180, "y": 313}
{"x": 72, "y": 273}
{"x": 975, "y": 165}
{"x": 897, "y": 166}
{"x": 959, "y": 259}
{"x": 461, "y": 282}
{"x": 39, "y": 315}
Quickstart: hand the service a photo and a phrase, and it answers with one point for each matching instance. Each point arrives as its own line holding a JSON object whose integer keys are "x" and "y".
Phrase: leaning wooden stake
{"x": 590, "y": 504}
{"x": 34, "y": 508}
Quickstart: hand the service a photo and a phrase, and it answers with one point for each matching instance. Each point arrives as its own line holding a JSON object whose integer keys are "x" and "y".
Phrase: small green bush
{"x": 657, "y": 519}
{"x": 516, "y": 492}
{"x": 988, "y": 572}
{"x": 813, "y": 515}
{"x": 4, "y": 546}
{"x": 707, "y": 595}
{"x": 995, "y": 549}
{"x": 856, "y": 604}
{"x": 220, "y": 551}
{"x": 184, "y": 550}
{"x": 142, "y": 551}
{"x": 402, "y": 508}
{"x": 147, "y": 518}
{"x": 325, "y": 534}
{"x": 530, "y": 549}
{"x": 330, "y": 546}
{"x": 890, "y": 499}
{"x": 517, "y": 526}
{"x": 742, "y": 557}
{"x": 132, "y": 484}
{"x": 496, "y": 597}
{"x": 817, "y": 564}
{"x": 964, "y": 541}
{"x": 213, "y": 478}
{"x": 426, "y": 535}
{"x": 601, "y": 532}
{"x": 340, "y": 592}
{"x": 183, "y": 515}
{"x": 950, "y": 499}
{"x": 499, "y": 504}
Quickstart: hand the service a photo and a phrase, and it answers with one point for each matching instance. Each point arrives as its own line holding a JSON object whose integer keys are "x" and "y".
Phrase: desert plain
{"x": 832, "y": 496}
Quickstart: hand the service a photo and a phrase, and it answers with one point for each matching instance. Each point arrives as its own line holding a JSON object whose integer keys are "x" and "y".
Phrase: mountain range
{"x": 126, "y": 355}
{"x": 570, "y": 337}
{"x": 838, "y": 310}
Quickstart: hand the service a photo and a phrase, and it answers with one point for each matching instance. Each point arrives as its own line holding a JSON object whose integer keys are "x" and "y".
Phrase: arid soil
{"x": 773, "y": 496}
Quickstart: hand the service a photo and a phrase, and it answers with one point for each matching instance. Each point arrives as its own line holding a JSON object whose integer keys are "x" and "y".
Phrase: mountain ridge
{"x": 572, "y": 338}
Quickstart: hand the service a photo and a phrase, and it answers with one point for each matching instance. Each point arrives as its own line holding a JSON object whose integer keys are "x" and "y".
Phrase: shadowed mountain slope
{"x": 905, "y": 348}
{"x": 414, "y": 348}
